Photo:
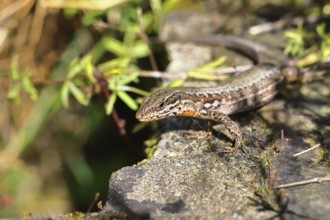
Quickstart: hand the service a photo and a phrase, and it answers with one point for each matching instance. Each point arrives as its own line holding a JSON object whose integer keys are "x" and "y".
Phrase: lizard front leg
{"x": 230, "y": 125}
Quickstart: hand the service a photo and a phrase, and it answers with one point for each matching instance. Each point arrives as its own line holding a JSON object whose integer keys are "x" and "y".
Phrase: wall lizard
{"x": 248, "y": 90}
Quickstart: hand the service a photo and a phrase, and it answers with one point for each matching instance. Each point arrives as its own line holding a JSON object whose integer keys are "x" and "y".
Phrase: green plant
{"x": 20, "y": 82}
{"x": 126, "y": 47}
{"x": 319, "y": 44}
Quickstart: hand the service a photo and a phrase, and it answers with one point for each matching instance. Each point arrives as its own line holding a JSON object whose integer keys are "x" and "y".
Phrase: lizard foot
{"x": 239, "y": 145}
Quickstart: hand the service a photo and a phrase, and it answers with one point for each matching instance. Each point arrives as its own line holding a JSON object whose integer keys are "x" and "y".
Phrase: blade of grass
{"x": 110, "y": 103}
{"x": 128, "y": 100}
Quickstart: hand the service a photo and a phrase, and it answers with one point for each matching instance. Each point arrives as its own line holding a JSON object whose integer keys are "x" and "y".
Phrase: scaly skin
{"x": 248, "y": 90}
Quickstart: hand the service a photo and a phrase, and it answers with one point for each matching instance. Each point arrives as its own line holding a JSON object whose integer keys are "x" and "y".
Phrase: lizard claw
{"x": 239, "y": 144}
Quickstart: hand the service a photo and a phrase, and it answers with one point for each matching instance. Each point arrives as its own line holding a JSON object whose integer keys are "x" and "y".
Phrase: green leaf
{"x": 308, "y": 60}
{"x": 128, "y": 100}
{"x": 113, "y": 45}
{"x": 148, "y": 19}
{"x": 138, "y": 127}
{"x": 173, "y": 83}
{"x": 91, "y": 16}
{"x": 169, "y": 5}
{"x": 70, "y": 12}
{"x": 87, "y": 65}
{"x": 212, "y": 65}
{"x": 295, "y": 42}
{"x": 114, "y": 66}
{"x": 203, "y": 75}
{"x": 14, "y": 74}
{"x": 112, "y": 85}
{"x": 114, "y": 63}
{"x": 80, "y": 169}
{"x": 114, "y": 71}
{"x": 65, "y": 95}
{"x": 156, "y": 6}
{"x": 14, "y": 91}
{"x": 320, "y": 30}
{"x": 28, "y": 86}
{"x": 110, "y": 103}
{"x": 77, "y": 93}
{"x": 74, "y": 69}
{"x": 127, "y": 78}
{"x": 293, "y": 35}
{"x": 133, "y": 89}
{"x": 140, "y": 49}
{"x": 130, "y": 35}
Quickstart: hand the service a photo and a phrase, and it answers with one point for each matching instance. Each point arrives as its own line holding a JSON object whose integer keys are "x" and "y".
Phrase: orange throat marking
{"x": 188, "y": 113}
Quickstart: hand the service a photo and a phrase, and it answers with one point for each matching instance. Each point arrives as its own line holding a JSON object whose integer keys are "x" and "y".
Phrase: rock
{"x": 186, "y": 180}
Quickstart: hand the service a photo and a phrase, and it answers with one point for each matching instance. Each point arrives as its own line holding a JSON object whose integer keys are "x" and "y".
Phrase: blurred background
{"x": 66, "y": 117}
{"x": 70, "y": 85}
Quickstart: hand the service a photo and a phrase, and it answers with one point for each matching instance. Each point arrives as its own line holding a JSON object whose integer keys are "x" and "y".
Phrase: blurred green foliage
{"x": 102, "y": 61}
{"x": 20, "y": 82}
{"x": 126, "y": 46}
{"x": 316, "y": 52}
{"x": 295, "y": 41}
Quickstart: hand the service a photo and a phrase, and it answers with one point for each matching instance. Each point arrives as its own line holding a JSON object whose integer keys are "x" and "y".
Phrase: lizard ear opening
{"x": 161, "y": 105}
{"x": 174, "y": 98}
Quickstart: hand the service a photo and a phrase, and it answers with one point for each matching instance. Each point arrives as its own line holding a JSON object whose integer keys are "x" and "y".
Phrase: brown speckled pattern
{"x": 248, "y": 90}
{"x": 245, "y": 91}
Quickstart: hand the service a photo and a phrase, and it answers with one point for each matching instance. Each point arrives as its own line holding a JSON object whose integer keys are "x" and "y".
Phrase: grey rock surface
{"x": 186, "y": 180}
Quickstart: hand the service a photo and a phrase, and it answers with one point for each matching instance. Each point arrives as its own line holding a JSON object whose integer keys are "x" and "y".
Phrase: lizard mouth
{"x": 143, "y": 116}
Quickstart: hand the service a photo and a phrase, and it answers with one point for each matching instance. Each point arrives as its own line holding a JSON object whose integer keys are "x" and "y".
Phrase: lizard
{"x": 248, "y": 90}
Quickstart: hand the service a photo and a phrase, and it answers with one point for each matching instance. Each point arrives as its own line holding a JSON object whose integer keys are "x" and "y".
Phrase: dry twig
{"x": 305, "y": 151}
{"x": 303, "y": 182}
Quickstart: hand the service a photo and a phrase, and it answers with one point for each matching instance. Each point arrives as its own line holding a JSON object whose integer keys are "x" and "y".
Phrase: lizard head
{"x": 161, "y": 104}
